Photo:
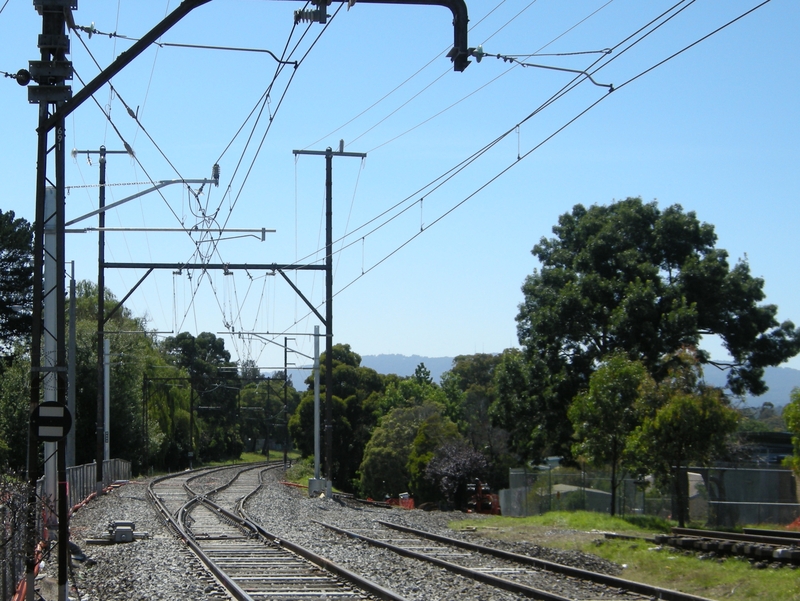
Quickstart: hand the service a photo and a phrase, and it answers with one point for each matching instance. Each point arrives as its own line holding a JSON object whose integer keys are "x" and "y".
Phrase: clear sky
{"x": 423, "y": 265}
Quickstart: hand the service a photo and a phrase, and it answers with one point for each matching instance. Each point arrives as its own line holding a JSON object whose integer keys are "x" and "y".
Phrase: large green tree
{"x": 632, "y": 278}
{"x": 604, "y": 415}
{"x": 15, "y": 400}
{"x": 215, "y": 382}
{"x": 385, "y": 468}
{"x": 683, "y": 422}
{"x": 791, "y": 414}
{"x": 132, "y": 350}
{"x": 16, "y": 279}
{"x": 355, "y": 392}
{"x": 432, "y": 433}
{"x": 471, "y": 390}
{"x": 262, "y": 406}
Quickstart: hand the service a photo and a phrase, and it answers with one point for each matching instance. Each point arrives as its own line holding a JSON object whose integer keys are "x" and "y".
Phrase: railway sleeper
{"x": 790, "y": 555}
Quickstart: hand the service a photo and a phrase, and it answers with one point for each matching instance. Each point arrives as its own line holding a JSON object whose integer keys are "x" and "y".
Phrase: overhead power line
{"x": 547, "y": 139}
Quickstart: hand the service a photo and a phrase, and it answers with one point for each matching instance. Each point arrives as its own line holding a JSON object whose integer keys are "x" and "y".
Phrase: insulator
{"x": 23, "y": 77}
{"x": 310, "y": 16}
{"x": 215, "y": 174}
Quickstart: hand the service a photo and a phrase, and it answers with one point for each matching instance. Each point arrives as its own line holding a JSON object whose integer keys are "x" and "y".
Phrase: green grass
{"x": 301, "y": 471}
{"x": 253, "y": 458}
{"x": 729, "y": 579}
{"x": 733, "y": 578}
{"x": 581, "y": 520}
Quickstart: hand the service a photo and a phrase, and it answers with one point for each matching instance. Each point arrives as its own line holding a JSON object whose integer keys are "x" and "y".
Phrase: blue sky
{"x": 714, "y": 129}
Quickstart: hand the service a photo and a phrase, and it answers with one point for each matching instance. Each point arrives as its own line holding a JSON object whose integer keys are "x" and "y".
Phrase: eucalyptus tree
{"x": 630, "y": 278}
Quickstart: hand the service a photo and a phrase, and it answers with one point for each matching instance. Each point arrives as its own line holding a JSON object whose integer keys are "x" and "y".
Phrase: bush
{"x": 301, "y": 471}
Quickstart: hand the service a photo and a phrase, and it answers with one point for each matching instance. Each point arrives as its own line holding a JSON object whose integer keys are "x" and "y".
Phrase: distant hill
{"x": 781, "y": 380}
{"x": 405, "y": 366}
{"x": 400, "y": 365}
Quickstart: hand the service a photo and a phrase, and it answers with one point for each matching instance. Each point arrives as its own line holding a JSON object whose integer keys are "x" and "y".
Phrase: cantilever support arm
{"x": 460, "y": 53}
{"x": 163, "y": 183}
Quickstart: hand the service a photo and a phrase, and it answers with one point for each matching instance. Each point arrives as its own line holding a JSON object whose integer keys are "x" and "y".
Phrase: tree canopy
{"x": 354, "y": 393}
{"x": 630, "y": 278}
{"x": 604, "y": 416}
{"x": 682, "y": 421}
{"x": 791, "y": 413}
{"x": 16, "y": 279}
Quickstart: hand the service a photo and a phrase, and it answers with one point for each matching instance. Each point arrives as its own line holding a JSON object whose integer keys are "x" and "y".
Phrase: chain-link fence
{"x": 719, "y": 496}
{"x": 81, "y": 482}
{"x": 734, "y": 495}
{"x": 550, "y": 488}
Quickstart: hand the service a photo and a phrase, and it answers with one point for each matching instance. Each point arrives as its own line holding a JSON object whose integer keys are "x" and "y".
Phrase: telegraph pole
{"x": 328, "y": 153}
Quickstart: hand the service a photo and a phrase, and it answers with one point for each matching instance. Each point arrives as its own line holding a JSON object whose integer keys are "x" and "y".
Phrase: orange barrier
{"x": 22, "y": 588}
{"x": 403, "y": 502}
{"x": 295, "y": 484}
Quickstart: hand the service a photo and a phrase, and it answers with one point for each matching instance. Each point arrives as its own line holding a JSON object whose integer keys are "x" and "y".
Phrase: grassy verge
{"x": 254, "y": 458}
{"x": 729, "y": 578}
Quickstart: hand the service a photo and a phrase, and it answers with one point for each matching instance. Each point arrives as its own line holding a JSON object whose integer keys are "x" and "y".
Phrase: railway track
{"x": 758, "y": 545}
{"x": 519, "y": 574}
{"x": 206, "y": 510}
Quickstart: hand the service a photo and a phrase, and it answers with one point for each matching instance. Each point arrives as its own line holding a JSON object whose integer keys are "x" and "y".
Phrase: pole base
{"x": 319, "y": 485}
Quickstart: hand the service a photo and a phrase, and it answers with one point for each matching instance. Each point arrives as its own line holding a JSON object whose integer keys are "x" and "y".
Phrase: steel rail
{"x": 794, "y": 534}
{"x": 585, "y": 575}
{"x": 177, "y": 520}
{"x": 613, "y": 581}
{"x": 495, "y": 581}
{"x": 229, "y": 583}
{"x": 751, "y": 536}
{"x": 322, "y": 562}
{"x": 174, "y": 522}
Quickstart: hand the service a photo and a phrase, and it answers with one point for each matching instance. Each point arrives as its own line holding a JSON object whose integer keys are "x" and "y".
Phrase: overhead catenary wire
{"x": 138, "y": 162}
{"x": 134, "y": 116}
{"x": 448, "y": 175}
{"x": 362, "y": 238}
{"x": 556, "y": 132}
{"x": 280, "y": 102}
{"x": 202, "y": 211}
{"x": 215, "y": 249}
{"x": 414, "y": 75}
{"x": 441, "y": 112}
{"x": 541, "y": 143}
{"x": 264, "y": 100}
{"x": 231, "y": 207}
{"x": 547, "y": 139}
{"x": 199, "y": 279}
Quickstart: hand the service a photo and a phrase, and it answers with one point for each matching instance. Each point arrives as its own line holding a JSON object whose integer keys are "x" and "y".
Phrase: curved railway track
{"x": 519, "y": 574}
{"x": 205, "y": 510}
